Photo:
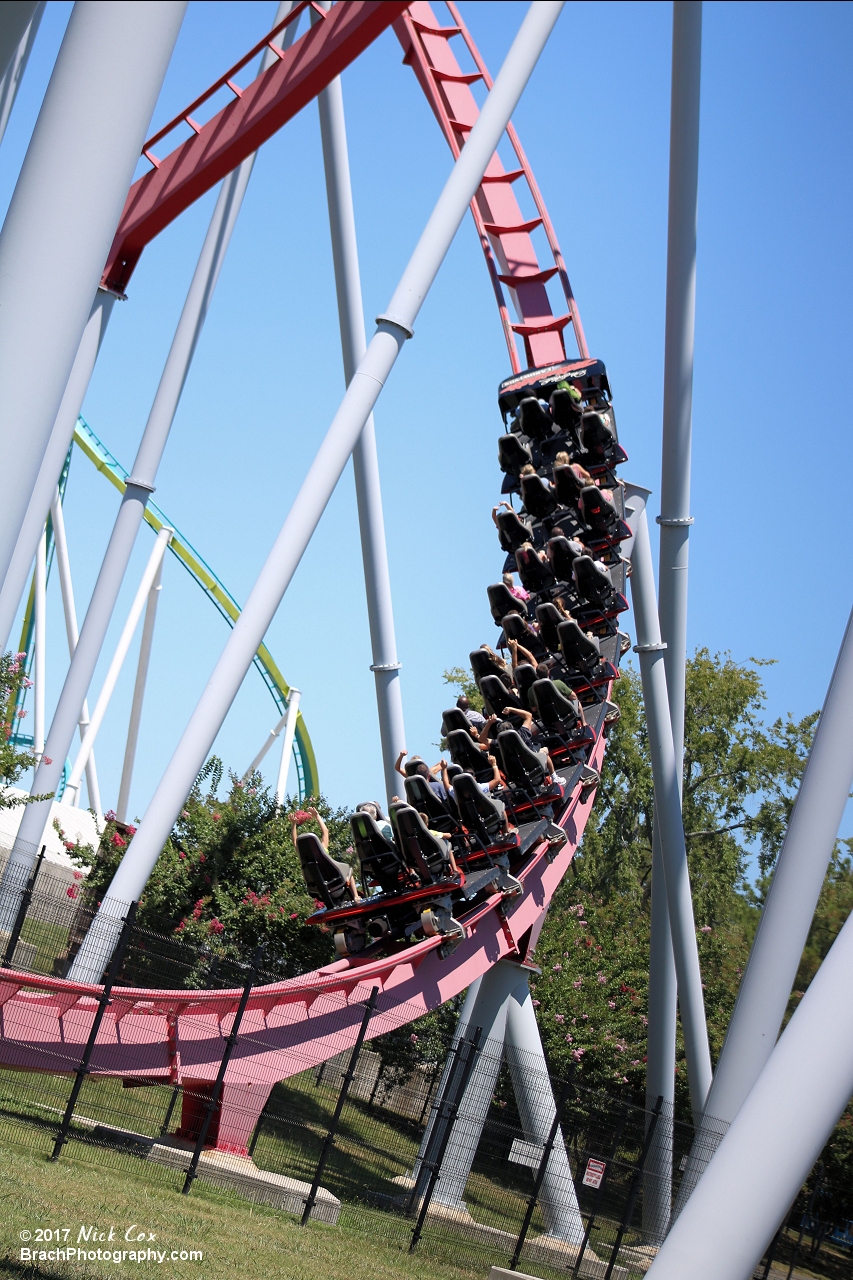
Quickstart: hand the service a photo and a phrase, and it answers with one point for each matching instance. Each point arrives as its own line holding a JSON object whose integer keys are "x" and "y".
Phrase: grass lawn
{"x": 236, "y": 1238}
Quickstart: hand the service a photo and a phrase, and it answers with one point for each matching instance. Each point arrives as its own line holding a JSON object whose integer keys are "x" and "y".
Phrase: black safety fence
{"x": 465, "y": 1150}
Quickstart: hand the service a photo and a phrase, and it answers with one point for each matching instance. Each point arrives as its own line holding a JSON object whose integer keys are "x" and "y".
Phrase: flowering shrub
{"x": 14, "y": 760}
{"x": 229, "y": 877}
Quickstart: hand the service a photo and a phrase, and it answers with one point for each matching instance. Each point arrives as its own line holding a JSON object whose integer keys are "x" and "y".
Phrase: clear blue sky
{"x": 771, "y": 546}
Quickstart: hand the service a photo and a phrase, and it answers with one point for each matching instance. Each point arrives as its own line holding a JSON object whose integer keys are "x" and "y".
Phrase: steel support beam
{"x": 62, "y": 217}
{"x": 66, "y": 587}
{"x": 792, "y": 898}
{"x": 293, "y": 699}
{"x": 150, "y": 575}
{"x": 674, "y": 521}
{"x": 362, "y": 393}
{"x": 139, "y": 693}
{"x": 377, "y": 579}
{"x": 775, "y": 1139}
{"x": 668, "y": 806}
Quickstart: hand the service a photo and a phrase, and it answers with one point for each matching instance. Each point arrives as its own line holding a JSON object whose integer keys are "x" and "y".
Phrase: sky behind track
{"x": 771, "y": 545}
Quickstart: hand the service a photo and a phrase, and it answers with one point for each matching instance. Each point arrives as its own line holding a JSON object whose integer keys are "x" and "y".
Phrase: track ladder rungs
{"x": 521, "y": 227}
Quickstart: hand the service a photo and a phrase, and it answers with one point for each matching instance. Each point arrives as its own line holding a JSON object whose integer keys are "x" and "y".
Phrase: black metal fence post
{"x": 466, "y": 1052}
{"x": 26, "y": 899}
{"x": 635, "y": 1186}
{"x": 164, "y": 1127}
{"x": 83, "y": 1069}
{"x": 540, "y": 1172}
{"x": 807, "y": 1214}
{"x": 599, "y": 1195}
{"x": 329, "y": 1140}
{"x": 213, "y": 1100}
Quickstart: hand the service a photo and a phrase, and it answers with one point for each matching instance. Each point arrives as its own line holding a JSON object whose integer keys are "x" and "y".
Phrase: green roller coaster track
{"x": 100, "y": 456}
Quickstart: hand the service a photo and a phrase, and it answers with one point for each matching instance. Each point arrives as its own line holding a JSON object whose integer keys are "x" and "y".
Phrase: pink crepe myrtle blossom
{"x": 602, "y": 978}
{"x": 577, "y": 984}
{"x": 706, "y": 928}
{"x": 216, "y": 926}
{"x": 116, "y": 840}
{"x": 110, "y": 816}
{"x": 72, "y": 891}
{"x": 570, "y": 1039}
{"x": 577, "y": 1054}
{"x": 559, "y": 1017}
{"x": 611, "y": 1004}
{"x": 535, "y": 1004}
{"x": 557, "y": 968}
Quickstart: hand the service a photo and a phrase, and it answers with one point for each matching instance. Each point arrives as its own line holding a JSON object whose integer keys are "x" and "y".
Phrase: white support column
{"x": 39, "y": 645}
{"x": 152, "y": 570}
{"x": 268, "y": 741}
{"x": 488, "y": 1012}
{"x": 536, "y": 1107}
{"x": 791, "y": 901}
{"x": 323, "y": 475}
{"x": 62, "y": 218}
{"x": 293, "y": 699}
{"x": 14, "y": 73}
{"x": 377, "y": 578}
{"x": 775, "y": 1139}
{"x": 66, "y": 586}
{"x": 54, "y": 460}
{"x": 674, "y": 521}
{"x": 139, "y": 692}
{"x": 668, "y": 807}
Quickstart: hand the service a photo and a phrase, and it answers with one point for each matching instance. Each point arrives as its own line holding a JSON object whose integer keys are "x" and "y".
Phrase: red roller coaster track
{"x": 177, "y": 1036}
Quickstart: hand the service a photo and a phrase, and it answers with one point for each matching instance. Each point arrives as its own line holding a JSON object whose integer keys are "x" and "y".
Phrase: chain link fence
{"x": 473, "y": 1156}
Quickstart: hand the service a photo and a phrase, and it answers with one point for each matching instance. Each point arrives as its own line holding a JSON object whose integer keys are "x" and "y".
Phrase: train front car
{"x": 546, "y": 686}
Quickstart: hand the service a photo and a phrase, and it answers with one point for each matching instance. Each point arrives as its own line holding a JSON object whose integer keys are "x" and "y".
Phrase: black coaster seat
{"x": 567, "y": 411}
{"x": 560, "y": 717}
{"x": 512, "y": 454}
{"x": 502, "y": 601}
{"x": 592, "y": 580}
{"x": 421, "y": 850}
{"x": 585, "y": 665}
{"x": 562, "y": 554}
{"x": 525, "y": 678}
{"x": 496, "y": 696}
{"x": 549, "y": 618}
{"x": 464, "y": 752}
{"x": 567, "y": 486}
{"x": 483, "y": 664}
{"x": 525, "y": 773}
{"x": 533, "y": 419}
{"x": 379, "y": 858}
{"x": 535, "y": 576}
{"x": 451, "y": 719}
{"x": 539, "y": 498}
{"x": 420, "y": 795}
{"x": 325, "y": 877}
{"x": 512, "y": 531}
{"x": 515, "y": 628}
{"x": 599, "y": 443}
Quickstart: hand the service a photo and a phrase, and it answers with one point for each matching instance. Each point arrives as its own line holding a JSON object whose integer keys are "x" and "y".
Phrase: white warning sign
{"x": 594, "y": 1174}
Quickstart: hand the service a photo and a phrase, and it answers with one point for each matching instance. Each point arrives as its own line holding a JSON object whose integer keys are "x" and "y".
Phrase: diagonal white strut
{"x": 275, "y": 577}
{"x": 668, "y": 805}
{"x": 66, "y": 588}
{"x": 377, "y": 578}
{"x": 152, "y": 570}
